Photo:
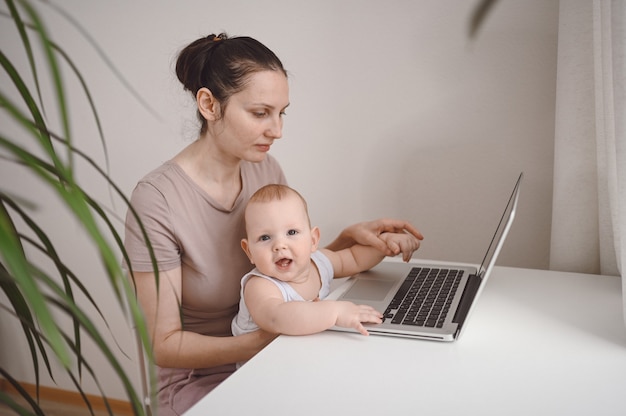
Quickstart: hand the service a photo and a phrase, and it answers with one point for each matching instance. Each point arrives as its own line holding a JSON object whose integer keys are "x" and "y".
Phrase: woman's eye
{"x": 260, "y": 114}
{"x": 292, "y": 232}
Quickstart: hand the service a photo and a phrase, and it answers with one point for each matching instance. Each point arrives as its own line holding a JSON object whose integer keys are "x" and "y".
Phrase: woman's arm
{"x": 174, "y": 347}
{"x": 369, "y": 234}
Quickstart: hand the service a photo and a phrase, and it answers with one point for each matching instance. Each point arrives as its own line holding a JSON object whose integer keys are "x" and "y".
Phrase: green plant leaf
{"x": 65, "y": 304}
{"x": 21, "y": 28}
{"x": 105, "y": 59}
{"x": 12, "y": 403}
{"x": 16, "y": 263}
{"x": 479, "y": 15}
{"x": 21, "y": 309}
{"x": 55, "y": 74}
{"x": 41, "y": 131}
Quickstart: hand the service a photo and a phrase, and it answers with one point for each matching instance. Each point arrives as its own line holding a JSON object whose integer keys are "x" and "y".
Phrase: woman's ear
{"x": 207, "y": 104}
{"x": 315, "y": 237}
{"x": 246, "y": 249}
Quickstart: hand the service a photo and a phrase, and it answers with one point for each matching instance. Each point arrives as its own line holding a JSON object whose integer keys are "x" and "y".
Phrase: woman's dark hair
{"x": 223, "y": 65}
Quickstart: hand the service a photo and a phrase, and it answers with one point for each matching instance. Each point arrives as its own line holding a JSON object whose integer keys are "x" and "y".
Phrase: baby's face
{"x": 280, "y": 239}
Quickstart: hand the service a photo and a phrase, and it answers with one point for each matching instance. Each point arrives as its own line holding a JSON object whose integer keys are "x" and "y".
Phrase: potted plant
{"x": 34, "y": 291}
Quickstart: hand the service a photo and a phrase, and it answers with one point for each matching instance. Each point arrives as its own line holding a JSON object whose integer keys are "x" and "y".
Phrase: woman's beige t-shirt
{"x": 188, "y": 228}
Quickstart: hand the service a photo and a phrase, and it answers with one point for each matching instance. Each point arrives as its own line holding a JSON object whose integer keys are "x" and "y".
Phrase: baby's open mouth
{"x": 283, "y": 262}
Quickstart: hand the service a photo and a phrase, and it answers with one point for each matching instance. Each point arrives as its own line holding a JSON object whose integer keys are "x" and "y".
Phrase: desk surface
{"x": 537, "y": 343}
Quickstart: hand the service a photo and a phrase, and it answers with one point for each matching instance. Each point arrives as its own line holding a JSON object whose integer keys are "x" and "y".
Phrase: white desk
{"x": 524, "y": 352}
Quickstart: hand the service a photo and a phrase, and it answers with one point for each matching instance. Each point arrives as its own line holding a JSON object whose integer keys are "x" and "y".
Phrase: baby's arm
{"x": 273, "y": 314}
{"x": 353, "y": 260}
{"x": 358, "y": 258}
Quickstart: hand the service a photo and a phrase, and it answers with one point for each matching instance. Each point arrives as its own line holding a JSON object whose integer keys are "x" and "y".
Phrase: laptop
{"x": 426, "y": 301}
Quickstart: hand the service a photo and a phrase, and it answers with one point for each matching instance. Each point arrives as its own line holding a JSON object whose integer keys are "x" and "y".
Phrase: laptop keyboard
{"x": 424, "y": 298}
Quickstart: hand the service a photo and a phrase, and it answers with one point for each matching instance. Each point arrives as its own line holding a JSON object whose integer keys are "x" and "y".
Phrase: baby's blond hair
{"x": 276, "y": 192}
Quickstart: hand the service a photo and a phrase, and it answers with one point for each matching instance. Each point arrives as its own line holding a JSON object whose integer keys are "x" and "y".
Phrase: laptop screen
{"x": 505, "y": 222}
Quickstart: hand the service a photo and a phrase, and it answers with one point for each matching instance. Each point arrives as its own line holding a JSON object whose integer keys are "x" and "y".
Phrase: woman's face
{"x": 253, "y": 118}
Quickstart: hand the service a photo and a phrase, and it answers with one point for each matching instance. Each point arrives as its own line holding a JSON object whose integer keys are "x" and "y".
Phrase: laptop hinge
{"x": 469, "y": 293}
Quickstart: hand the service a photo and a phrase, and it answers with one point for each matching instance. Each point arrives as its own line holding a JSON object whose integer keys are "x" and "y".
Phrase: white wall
{"x": 394, "y": 112}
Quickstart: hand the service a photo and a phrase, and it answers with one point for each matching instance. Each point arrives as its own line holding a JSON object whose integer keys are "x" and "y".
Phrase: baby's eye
{"x": 264, "y": 237}
{"x": 292, "y": 232}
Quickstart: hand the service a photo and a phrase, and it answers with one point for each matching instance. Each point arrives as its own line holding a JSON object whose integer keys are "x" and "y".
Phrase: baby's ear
{"x": 246, "y": 249}
{"x": 315, "y": 238}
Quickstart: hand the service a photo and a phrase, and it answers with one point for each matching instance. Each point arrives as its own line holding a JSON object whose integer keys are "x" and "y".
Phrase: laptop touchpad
{"x": 366, "y": 289}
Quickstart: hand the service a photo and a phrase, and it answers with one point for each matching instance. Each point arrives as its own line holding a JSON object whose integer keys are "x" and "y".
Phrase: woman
{"x": 192, "y": 209}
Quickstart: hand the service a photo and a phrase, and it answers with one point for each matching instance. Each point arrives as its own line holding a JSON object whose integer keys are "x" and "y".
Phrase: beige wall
{"x": 394, "y": 112}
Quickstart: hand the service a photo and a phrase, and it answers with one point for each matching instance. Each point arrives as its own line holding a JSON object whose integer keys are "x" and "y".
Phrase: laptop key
{"x": 424, "y": 298}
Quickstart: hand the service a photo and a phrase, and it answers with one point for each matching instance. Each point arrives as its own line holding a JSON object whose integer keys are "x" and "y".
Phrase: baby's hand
{"x": 404, "y": 243}
{"x": 350, "y": 315}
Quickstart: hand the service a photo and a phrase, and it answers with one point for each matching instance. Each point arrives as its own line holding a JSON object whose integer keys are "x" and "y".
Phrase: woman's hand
{"x": 372, "y": 233}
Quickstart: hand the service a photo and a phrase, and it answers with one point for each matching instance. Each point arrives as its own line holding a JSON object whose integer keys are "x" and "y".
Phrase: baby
{"x": 285, "y": 292}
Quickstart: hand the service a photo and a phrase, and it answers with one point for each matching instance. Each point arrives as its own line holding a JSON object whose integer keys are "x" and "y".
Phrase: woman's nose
{"x": 276, "y": 129}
